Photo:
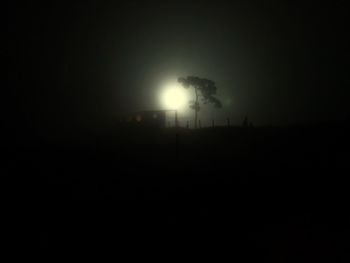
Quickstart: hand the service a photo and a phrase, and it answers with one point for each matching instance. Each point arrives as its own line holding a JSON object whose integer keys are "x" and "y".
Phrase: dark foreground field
{"x": 252, "y": 194}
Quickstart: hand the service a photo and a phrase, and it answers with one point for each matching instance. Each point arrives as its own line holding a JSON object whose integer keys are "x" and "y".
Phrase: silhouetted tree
{"x": 204, "y": 89}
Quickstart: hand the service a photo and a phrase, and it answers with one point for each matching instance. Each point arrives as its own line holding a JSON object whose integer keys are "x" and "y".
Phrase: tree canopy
{"x": 205, "y": 89}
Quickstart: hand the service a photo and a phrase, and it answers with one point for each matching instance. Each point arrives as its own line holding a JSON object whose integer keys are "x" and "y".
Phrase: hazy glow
{"x": 174, "y": 97}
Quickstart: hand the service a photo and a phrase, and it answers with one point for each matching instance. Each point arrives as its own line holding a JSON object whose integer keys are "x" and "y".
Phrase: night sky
{"x": 82, "y": 65}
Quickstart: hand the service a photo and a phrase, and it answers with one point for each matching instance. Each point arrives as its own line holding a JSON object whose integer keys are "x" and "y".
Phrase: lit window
{"x": 138, "y": 118}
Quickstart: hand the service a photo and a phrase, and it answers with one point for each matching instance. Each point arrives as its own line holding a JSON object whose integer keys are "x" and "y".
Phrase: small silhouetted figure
{"x": 245, "y": 122}
{"x": 199, "y": 124}
{"x": 187, "y": 124}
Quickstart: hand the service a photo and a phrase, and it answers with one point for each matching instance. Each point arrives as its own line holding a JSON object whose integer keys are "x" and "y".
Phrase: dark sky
{"x": 81, "y": 64}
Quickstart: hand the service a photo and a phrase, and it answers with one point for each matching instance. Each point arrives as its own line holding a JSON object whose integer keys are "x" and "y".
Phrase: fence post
{"x": 176, "y": 120}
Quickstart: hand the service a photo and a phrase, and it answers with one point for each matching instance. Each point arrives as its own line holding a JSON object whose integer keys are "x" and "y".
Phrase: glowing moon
{"x": 174, "y": 97}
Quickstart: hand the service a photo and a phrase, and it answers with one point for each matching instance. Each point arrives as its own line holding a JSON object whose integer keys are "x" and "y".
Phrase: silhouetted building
{"x": 150, "y": 118}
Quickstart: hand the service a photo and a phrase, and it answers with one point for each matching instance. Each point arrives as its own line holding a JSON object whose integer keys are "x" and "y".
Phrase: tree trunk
{"x": 195, "y": 119}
